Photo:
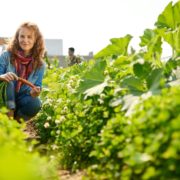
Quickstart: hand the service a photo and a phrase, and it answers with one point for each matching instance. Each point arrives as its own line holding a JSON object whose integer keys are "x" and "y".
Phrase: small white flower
{"x": 48, "y": 101}
{"x": 105, "y": 72}
{"x": 68, "y": 101}
{"x": 30, "y": 149}
{"x": 62, "y": 118}
{"x": 58, "y": 132}
{"x": 102, "y": 95}
{"x": 145, "y": 157}
{"x": 57, "y": 121}
{"x": 71, "y": 81}
{"x": 65, "y": 108}
{"x": 59, "y": 100}
{"x": 48, "y": 118}
{"x": 69, "y": 86}
{"x": 54, "y": 146}
{"x": 52, "y": 157}
{"x": 100, "y": 101}
{"x": 46, "y": 125}
{"x": 141, "y": 61}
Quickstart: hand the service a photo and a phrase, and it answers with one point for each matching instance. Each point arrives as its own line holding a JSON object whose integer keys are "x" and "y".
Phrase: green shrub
{"x": 68, "y": 124}
{"x": 144, "y": 146}
{"x": 85, "y": 103}
{"x": 17, "y": 158}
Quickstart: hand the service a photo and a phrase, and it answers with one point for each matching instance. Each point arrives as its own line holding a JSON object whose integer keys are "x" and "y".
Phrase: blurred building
{"x": 54, "y": 47}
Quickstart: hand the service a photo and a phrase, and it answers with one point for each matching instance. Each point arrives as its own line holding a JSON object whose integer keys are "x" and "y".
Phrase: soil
{"x": 66, "y": 175}
{"x": 30, "y": 130}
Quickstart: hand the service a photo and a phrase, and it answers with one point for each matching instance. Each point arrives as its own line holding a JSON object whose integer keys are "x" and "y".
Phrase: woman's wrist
{"x": 1, "y": 79}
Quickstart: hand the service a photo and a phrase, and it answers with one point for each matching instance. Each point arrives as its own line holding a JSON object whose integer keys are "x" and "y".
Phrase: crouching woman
{"x": 23, "y": 59}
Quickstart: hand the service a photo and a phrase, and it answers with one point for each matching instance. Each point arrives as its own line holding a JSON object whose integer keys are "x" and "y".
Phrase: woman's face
{"x": 26, "y": 39}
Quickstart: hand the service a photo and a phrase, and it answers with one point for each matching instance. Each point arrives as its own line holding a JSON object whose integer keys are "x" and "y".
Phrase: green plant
{"x": 18, "y": 160}
{"x": 2, "y": 93}
{"x": 90, "y": 115}
{"x": 143, "y": 146}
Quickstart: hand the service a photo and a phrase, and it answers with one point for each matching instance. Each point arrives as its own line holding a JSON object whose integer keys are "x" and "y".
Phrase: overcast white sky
{"x": 86, "y": 25}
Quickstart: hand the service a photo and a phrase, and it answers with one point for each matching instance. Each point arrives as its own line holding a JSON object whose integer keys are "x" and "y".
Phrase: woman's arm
{"x": 34, "y": 92}
{"x": 40, "y": 76}
{"x": 9, "y": 76}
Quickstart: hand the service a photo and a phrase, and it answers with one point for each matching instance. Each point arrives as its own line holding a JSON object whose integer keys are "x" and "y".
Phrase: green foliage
{"x": 118, "y": 47}
{"x": 143, "y": 146}
{"x": 2, "y": 93}
{"x": 141, "y": 70}
{"x": 93, "y": 77}
{"x": 69, "y": 124}
{"x": 170, "y": 17}
{"x": 17, "y": 158}
{"x": 172, "y": 38}
{"x": 152, "y": 41}
{"x": 168, "y": 24}
{"x": 118, "y": 113}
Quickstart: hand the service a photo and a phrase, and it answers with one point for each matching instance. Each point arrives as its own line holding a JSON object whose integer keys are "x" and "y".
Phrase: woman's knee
{"x": 30, "y": 109}
{"x": 34, "y": 106}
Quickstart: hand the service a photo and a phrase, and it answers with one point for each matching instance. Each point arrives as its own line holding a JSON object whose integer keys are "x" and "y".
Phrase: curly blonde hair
{"x": 38, "y": 49}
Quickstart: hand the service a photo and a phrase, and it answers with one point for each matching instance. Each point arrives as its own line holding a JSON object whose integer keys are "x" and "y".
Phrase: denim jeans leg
{"x": 27, "y": 106}
{"x": 10, "y": 95}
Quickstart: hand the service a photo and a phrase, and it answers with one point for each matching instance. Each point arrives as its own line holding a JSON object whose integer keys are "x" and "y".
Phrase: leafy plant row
{"x": 118, "y": 114}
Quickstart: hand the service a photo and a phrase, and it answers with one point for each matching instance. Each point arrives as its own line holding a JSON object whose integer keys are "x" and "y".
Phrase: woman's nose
{"x": 25, "y": 39}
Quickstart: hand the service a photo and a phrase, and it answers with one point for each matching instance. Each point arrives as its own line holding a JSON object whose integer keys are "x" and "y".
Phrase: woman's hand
{"x": 8, "y": 77}
{"x": 35, "y": 91}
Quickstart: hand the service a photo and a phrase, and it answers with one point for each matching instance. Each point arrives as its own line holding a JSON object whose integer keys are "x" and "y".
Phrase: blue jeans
{"x": 23, "y": 104}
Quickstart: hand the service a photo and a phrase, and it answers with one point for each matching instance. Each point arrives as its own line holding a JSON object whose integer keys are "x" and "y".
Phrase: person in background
{"x": 23, "y": 58}
{"x": 72, "y": 59}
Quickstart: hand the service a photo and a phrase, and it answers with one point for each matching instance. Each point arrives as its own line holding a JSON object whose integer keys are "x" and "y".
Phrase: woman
{"x": 23, "y": 58}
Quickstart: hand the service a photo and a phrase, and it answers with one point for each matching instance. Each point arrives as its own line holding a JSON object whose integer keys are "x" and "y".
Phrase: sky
{"x": 87, "y": 25}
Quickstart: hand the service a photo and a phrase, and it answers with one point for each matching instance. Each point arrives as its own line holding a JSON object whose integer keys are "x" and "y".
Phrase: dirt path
{"x": 65, "y": 175}
{"x": 30, "y": 130}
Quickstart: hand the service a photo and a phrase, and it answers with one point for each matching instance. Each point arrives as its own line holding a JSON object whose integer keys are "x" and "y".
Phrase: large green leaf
{"x": 117, "y": 47}
{"x": 152, "y": 40}
{"x": 170, "y": 17}
{"x": 170, "y": 66}
{"x": 154, "y": 79}
{"x": 147, "y": 37}
{"x": 93, "y": 77}
{"x": 134, "y": 84}
{"x": 172, "y": 38}
{"x": 142, "y": 70}
{"x": 96, "y": 90}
